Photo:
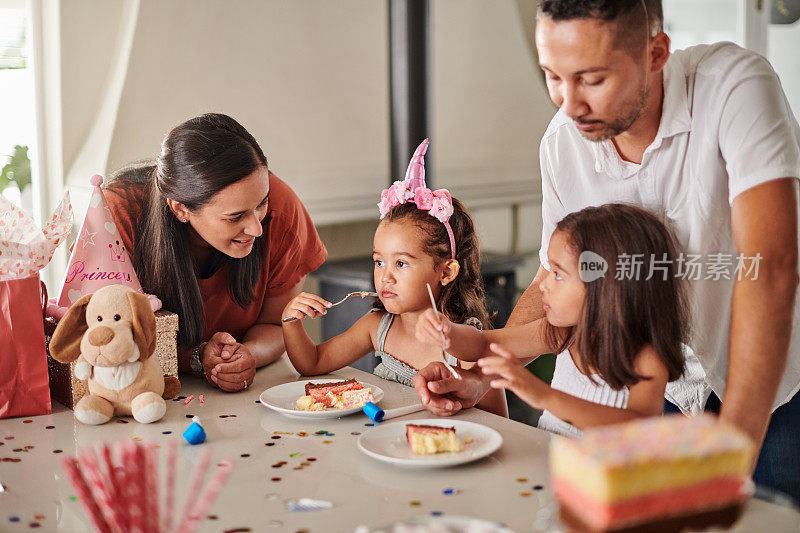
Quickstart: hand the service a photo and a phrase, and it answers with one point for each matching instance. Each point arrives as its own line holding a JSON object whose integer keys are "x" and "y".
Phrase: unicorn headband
{"x": 437, "y": 203}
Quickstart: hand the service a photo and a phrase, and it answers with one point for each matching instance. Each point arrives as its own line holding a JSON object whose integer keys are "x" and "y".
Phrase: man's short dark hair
{"x": 627, "y": 15}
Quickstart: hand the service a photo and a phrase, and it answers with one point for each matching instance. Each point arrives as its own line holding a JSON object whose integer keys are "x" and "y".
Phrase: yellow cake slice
{"x": 427, "y": 440}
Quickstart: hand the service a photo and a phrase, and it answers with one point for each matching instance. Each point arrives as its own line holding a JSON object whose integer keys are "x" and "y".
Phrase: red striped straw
{"x": 189, "y": 399}
{"x": 141, "y": 465}
{"x": 210, "y": 493}
{"x": 118, "y": 473}
{"x": 172, "y": 449}
{"x": 100, "y": 487}
{"x": 194, "y": 486}
{"x": 70, "y": 466}
{"x": 113, "y": 488}
{"x": 151, "y": 456}
{"x": 133, "y": 495}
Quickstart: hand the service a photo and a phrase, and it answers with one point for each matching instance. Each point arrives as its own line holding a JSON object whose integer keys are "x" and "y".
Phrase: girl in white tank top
{"x": 615, "y": 313}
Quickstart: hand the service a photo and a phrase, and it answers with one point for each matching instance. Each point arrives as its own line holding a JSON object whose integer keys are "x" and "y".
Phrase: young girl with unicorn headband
{"x": 424, "y": 238}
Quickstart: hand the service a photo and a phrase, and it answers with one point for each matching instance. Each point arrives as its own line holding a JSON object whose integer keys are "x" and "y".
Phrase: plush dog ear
{"x": 65, "y": 345}
{"x": 144, "y": 324}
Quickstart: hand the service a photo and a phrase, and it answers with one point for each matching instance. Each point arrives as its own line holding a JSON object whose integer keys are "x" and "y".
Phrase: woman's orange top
{"x": 294, "y": 249}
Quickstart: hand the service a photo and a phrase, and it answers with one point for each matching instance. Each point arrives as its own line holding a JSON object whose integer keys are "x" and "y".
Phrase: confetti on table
{"x": 312, "y": 459}
{"x": 415, "y": 503}
{"x": 450, "y": 491}
{"x": 537, "y": 487}
{"x": 296, "y": 454}
{"x": 13, "y": 519}
{"x": 308, "y": 504}
{"x": 301, "y": 433}
{"x": 437, "y": 513}
{"x": 525, "y": 494}
{"x": 275, "y": 479}
{"x": 188, "y": 400}
{"x": 522, "y": 479}
{"x": 49, "y": 427}
{"x": 327, "y": 441}
{"x": 27, "y": 421}
{"x": 269, "y": 444}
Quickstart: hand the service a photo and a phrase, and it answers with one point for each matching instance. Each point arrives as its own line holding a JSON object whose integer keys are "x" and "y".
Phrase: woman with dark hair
{"x": 222, "y": 241}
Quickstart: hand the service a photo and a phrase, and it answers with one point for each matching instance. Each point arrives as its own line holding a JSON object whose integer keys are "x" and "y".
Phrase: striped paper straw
{"x": 100, "y": 487}
{"x": 210, "y": 493}
{"x": 172, "y": 448}
{"x": 133, "y": 496}
{"x": 111, "y": 475}
{"x": 118, "y": 473}
{"x": 151, "y": 486}
{"x": 194, "y": 486}
{"x": 70, "y": 466}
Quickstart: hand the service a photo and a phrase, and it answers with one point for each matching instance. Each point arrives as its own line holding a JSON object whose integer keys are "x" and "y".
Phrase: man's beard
{"x": 619, "y": 124}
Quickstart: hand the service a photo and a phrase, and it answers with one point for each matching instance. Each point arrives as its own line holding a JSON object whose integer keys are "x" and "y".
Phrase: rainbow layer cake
{"x": 426, "y": 440}
{"x": 641, "y": 475}
{"x": 337, "y": 395}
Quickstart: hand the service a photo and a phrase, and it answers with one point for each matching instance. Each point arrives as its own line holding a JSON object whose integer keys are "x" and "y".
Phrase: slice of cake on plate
{"x": 426, "y": 440}
{"x": 337, "y": 395}
{"x": 667, "y": 472}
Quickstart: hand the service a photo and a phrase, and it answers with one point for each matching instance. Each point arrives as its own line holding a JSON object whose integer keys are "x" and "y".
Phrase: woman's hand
{"x": 508, "y": 373}
{"x": 219, "y": 349}
{"x": 442, "y": 394}
{"x": 237, "y": 373}
{"x": 222, "y": 364}
{"x": 305, "y": 305}
{"x": 430, "y": 328}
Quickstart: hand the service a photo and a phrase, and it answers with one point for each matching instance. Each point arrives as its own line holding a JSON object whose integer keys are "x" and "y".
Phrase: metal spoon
{"x": 362, "y": 294}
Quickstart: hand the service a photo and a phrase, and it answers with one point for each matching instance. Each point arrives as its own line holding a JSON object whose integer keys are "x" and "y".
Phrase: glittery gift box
{"x": 67, "y": 389}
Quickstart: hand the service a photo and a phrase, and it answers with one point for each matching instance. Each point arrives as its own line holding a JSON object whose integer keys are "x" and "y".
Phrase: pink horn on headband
{"x": 415, "y": 175}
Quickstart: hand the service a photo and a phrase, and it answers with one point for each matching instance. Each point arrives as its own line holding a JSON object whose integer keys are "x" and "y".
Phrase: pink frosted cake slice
{"x": 339, "y": 395}
{"x": 620, "y": 476}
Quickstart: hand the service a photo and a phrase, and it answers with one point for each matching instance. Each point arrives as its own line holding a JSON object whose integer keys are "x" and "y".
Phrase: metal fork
{"x": 362, "y": 294}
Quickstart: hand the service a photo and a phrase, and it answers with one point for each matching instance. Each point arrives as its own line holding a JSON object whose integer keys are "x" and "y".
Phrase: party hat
{"x": 99, "y": 257}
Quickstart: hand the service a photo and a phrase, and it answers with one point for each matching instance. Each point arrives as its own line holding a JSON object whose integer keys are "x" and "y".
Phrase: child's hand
{"x": 303, "y": 305}
{"x": 430, "y": 328}
{"x": 513, "y": 376}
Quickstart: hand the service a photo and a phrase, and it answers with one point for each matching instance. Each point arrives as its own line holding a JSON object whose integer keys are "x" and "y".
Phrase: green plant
{"x": 17, "y": 170}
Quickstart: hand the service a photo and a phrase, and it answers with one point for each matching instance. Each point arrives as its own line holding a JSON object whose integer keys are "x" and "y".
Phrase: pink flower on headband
{"x": 442, "y": 207}
{"x": 423, "y": 197}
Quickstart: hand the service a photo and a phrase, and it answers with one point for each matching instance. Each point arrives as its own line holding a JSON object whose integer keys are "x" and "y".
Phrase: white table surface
{"x": 362, "y": 490}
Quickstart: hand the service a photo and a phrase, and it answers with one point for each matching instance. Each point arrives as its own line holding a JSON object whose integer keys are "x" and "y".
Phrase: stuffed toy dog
{"x": 112, "y": 335}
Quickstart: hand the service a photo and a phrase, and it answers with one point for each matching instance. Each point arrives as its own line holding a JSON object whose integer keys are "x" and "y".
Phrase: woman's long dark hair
{"x": 463, "y": 297}
{"x": 198, "y": 159}
{"x": 621, "y": 316}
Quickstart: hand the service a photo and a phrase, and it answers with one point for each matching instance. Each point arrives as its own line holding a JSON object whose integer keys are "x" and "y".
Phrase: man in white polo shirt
{"x": 705, "y": 137}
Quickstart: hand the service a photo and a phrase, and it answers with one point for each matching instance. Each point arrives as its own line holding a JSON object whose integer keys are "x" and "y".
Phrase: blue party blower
{"x": 377, "y": 414}
{"x": 195, "y": 434}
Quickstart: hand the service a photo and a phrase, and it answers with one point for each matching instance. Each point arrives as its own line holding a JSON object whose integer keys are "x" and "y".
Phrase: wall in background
{"x": 310, "y": 81}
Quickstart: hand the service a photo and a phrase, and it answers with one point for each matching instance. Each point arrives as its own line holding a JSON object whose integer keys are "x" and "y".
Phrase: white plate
{"x": 387, "y": 442}
{"x": 453, "y": 524}
{"x": 283, "y": 398}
